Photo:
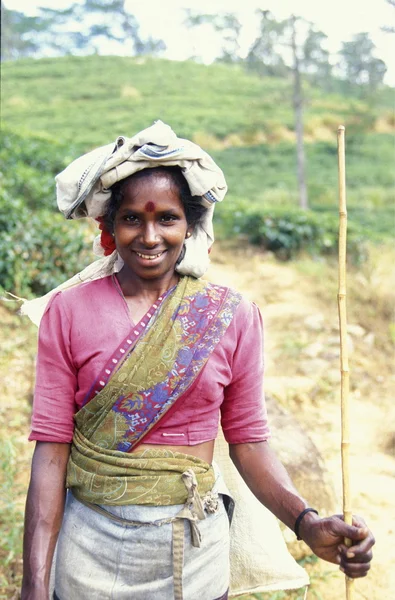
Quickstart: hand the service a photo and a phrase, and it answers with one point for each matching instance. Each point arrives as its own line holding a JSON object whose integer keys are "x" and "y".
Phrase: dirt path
{"x": 302, "y": 367}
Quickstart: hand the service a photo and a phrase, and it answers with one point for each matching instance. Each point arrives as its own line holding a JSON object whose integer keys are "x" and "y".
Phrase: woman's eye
{"x": 131, "y": 219}
{"x": 168, "y": 218}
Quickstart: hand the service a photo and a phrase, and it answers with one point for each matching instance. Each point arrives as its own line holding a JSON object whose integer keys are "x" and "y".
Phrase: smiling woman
{"x": 150, "y": 241}
{"x": 149, "y": 235}
{"x": 138, "y": 359}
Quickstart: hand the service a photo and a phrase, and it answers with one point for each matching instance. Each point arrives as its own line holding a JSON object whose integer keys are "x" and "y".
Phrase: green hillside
{"x": 54, "y": 109}
{"x": 90, "y": 100}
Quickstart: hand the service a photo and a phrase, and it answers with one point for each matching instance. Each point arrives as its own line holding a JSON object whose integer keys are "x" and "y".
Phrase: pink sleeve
{"x": 243, "y": 411}
{"x": 56, "y": 378}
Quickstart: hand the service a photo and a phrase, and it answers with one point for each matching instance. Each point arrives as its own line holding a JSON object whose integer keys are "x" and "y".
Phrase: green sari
{"x": 148, "y": 383}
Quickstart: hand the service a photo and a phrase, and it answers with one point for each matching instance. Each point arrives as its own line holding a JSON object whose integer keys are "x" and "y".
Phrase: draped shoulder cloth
{"x": 83, "y": 189}
{"x": 147, "y": 383}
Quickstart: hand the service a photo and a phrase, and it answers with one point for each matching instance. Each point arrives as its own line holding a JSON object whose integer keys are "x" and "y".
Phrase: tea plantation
{"x": 55, "y": 109}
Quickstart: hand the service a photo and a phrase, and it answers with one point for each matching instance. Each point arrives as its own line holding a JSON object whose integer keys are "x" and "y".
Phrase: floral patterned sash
{"x": 149, "y": 379}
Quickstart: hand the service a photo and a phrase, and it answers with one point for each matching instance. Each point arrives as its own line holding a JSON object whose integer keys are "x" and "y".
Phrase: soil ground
{"x": 301, "y": 373}
{"x": 288, "y": 300}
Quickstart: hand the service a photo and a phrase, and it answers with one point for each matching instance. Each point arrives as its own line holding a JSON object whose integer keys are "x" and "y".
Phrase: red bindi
{"x": 149, "y": 207}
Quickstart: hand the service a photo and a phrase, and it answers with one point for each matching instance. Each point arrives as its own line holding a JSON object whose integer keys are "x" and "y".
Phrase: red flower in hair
{"x": 107, "y": 241}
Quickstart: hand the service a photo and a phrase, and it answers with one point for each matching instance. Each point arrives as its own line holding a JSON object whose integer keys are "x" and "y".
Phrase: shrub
{"x": 28, "y": 168}
{"x": 287, "y": 231}
{"x": 37, "y": 250}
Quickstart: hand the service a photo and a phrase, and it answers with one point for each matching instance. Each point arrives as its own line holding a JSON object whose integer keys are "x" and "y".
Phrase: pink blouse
{"x": 83, "y": 326}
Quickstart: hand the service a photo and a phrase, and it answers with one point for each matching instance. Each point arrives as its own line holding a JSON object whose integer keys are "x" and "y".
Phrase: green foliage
{"x": 359, "y": 64}
{"x": 59, "y": 108}
{"x": 90, "y": 101}
{"x": 227, "y": 25}
{"x": 17, "y": 39}
{"x": 266, "y": 55}
{"x": 251, "y": 170}
{"x": 262, "y": 179}
{"x": 28, "y": 167}
{"x": 287, "y": 231}
{"x": 87, "y": 101}
{"x": 78, "y": 29}
{"x": 38, "y": 249}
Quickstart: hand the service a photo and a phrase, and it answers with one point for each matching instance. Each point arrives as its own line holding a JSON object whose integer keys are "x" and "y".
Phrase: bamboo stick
{"x": 345, "y": 375}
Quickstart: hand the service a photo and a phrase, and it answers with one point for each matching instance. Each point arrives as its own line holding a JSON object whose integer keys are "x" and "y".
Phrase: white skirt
{"x": 100, "y": 559}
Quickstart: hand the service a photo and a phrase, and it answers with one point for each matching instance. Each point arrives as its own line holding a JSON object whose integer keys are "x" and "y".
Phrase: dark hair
{"x": 193, "y": 207}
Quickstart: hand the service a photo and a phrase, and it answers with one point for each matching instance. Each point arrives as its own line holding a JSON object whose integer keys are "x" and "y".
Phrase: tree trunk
{"x": 298, "y": 111}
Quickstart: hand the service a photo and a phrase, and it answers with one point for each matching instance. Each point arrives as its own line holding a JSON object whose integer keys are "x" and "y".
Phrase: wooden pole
{"x": 345, "y": 375}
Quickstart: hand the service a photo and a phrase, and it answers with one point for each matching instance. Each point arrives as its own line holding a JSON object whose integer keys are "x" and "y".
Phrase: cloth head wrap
{"x": 83, "y": 189}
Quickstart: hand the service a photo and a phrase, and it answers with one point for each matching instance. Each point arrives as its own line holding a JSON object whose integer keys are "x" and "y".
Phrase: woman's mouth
{"x": 149, "y": 256}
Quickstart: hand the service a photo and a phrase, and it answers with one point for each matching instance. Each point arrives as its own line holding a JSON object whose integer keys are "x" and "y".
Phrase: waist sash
{"x": 151, "y": 378}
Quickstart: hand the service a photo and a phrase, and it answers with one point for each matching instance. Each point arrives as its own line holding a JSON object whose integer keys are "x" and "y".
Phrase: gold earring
{"x": 188, "y": 234}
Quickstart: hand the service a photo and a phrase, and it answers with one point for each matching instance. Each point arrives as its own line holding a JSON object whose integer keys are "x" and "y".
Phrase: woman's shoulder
{"x": 81, "y": 297}
{"x": 246, "y": 309}
{"x": 87, "y": 289}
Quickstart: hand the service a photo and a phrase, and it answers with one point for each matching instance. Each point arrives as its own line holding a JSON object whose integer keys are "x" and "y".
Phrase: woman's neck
{"x": 145, "y": 289}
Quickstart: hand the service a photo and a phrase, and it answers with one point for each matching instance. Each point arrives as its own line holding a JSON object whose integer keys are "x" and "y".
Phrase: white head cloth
{"x": 83, "y": 189}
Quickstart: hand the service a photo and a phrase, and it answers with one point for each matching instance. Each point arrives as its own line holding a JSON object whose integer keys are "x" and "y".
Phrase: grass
{"x": 11, "y": 519}
{"x": 16, "y": 373}
{"x": 370, "y": 291}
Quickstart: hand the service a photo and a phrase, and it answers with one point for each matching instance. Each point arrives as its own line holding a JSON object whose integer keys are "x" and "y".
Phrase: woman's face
{"x": 150, "y": 227}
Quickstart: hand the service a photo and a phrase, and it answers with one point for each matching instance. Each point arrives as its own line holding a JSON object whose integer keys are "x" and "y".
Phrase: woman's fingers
{"x": 355, "y": 570}
{"x": 358, "y": 533}
{"x": 358, "y": 551}
{"x": 355, "y": 560}
{"x": 350, "y": 555}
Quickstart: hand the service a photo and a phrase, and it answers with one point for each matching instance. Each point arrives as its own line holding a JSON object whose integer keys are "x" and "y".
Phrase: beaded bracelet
{"x": 299, "y": 520}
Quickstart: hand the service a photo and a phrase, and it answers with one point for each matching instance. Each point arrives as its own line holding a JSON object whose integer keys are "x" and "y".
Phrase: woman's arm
{"x": 43, "y": 516}
{"x": 269, "y": 481}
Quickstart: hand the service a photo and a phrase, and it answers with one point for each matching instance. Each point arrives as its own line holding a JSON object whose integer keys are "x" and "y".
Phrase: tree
{"x": 265, "y": 56}
{"x": 17, "y": 39}
{"x": 314, "y": 61}
{"x": 277, "y": 51}
{"x": 298, "y": 112}
{"x": 79, "y": 29}
{"x": 389, "y": 28}
{"x": 292, "y": 47}
{"x": 358, "y": 65}
{"x": 270, "y": 52}
{"x": 226, "y": 25}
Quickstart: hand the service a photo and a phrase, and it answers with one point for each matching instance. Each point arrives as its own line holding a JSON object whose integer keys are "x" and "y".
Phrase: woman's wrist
{"x": 305, "y": 524}
{"x": 33, "y": 588}
{"x": 300, "y": 518}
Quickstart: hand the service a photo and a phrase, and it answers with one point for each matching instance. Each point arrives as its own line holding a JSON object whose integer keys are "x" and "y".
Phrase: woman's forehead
{"x": 151, "y": 192}
{"x": 151, "y": 179}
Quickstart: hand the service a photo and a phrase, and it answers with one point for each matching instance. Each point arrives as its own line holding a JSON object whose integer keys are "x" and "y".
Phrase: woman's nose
{"x": 150, "y": 235}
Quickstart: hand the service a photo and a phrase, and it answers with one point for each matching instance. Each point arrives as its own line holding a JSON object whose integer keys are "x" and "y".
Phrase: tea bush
{"x": 38, "y": 250}
{"x": 287, "y": 231}
{"x": 28, "y": 166}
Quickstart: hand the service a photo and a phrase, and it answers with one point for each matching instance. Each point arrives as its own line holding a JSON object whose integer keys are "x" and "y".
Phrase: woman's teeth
{"x": 149, "y": 256}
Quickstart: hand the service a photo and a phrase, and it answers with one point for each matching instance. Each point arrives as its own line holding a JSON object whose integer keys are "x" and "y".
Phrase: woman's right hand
{"x": 43, "y": 516}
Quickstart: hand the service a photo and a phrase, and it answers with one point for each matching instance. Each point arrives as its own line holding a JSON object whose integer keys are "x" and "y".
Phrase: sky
{"x": 338, "y": 19}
